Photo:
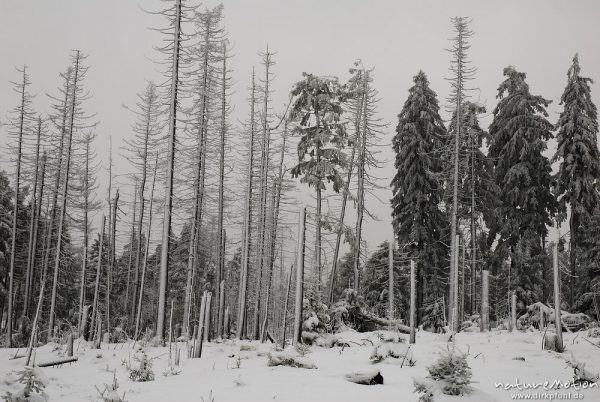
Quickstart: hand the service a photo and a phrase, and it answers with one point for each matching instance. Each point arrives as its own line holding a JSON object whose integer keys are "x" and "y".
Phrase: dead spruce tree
{"x": 21, "y": 126}
{"x": 362, "y": 106}
{"x": 274, "y": 217}
{"x": 251, "y": 129}
{"x": 36, "y": 203}
{"x": 145, "y": 253}
{"x": 265, "y": 157}
{"x": 77, "y": 120}
{"x": 461, "y": 74}
{"x": 206, "y": 57}
{"x": 59, "y": 120}
{"x": 147, "y": 130}
{"x": 224, "y": 128}
{"x": 176, "y": 15}
{"x": 87, "y": 204}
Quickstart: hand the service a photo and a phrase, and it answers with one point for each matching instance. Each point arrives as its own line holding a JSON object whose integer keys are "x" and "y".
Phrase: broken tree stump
{"x": 70, "y": 345}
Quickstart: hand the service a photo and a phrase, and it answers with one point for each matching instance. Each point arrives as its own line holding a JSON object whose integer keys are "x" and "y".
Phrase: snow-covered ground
{"x": 216, "y": 377}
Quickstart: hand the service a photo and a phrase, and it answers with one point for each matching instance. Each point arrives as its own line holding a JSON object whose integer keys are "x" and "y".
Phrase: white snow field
{"x": 217, "y": 377}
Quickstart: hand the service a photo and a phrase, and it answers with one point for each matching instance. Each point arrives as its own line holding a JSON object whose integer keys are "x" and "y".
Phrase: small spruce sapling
{"x": 110, "y": 392}
{"x": 34, "y": 381}
{"x": 142, "y": 371}
{"x": 451, "y": 374}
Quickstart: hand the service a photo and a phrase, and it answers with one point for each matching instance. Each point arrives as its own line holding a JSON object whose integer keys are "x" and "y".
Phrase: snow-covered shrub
{"x": 594, "y": 332}
{"x": 171, "y": 371}
{"x": 433, "y": 316}
{"x": 141, "y": 369}
{"x": 390, "y": 336}
{"x": 287, "y": 359}
{"x": 110, "y": 393}
{"x": 426, "y": 387}
{"x": 399, "y": 351}
{"x": 302, "y": 349}
{"x": 343, "y": 310}
{"x": 315, "y": 316}
{"x": 450, "y": 373}
{"x": 33, "y": 381}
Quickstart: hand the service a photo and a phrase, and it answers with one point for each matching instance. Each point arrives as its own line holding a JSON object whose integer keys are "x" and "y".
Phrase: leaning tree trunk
{"x": 50, "y": 224}
{"x": 145, "y": 257}
{"x": 63, "y": 209}
{"x": 31, "y": 249}
{"x": 340, "y": 230}
{"x": 37, "y": 222}
{"x": 86, "y": 188}
{"x": 93, "y": 321}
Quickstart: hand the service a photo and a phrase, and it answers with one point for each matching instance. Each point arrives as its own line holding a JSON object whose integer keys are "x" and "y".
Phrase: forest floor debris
{"x": 489, "y": 355}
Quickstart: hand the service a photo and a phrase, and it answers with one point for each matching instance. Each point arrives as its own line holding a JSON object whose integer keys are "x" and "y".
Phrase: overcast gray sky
{"x": 323, "y": 37}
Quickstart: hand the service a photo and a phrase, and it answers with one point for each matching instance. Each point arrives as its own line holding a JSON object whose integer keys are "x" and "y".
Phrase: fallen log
{"x": 58, "y": 362}
{"x": 581, "y": 373}
{"x": 349, "y": 312}
{"x": 373, "y": 377}
{"x": 539, "y": 315}
{"x": 382, "y": 322}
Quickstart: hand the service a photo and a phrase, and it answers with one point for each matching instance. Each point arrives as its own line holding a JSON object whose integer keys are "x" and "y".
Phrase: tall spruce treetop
{"x": 518, "y": 136}
{"x": 577, "y": 128}
{"x": 416, "y": 193}
{"x": 318, "y": 108}
{"x": 577, "y": 177}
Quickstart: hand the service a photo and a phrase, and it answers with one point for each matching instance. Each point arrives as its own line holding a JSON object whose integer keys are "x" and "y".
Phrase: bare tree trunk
{"x": 13, "y": 247}
{"x": 340, "y": 231}
{"x": 142, "y": 189}
{"x": 111, "y": 262}
{"x": 220, "y": 231}
{"x": 63, "y": 211}
{"x": 413, "y": 301}
{"x": 264, "y": 189}
{"x": 557, "y": 312}
{"x": 318, "y": 228}
{"x": 362, "y": 145}
{"x": 485, "y": 307}
{"x": 164, "y": 257}
{"x": 275, "y": 202}
{"x": 574, "y": 226}
{"x": 242, "y": 316}
{"x": 145, "y": 256}
{"x": 473, "y": 228}
{"x": 32, "y": 245}
{"x": 391, "y": 279}
{"x": 285, "y": 307}
{"x": 95, "y": 313}
{"x": 37, "y": 222}
{"x": 297, "y": 335}
{"x": 50, "y": 224}
{"x": 109, "y": 203}
{"x": 133, "y": 242}
{"x": 86, "y": 188}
